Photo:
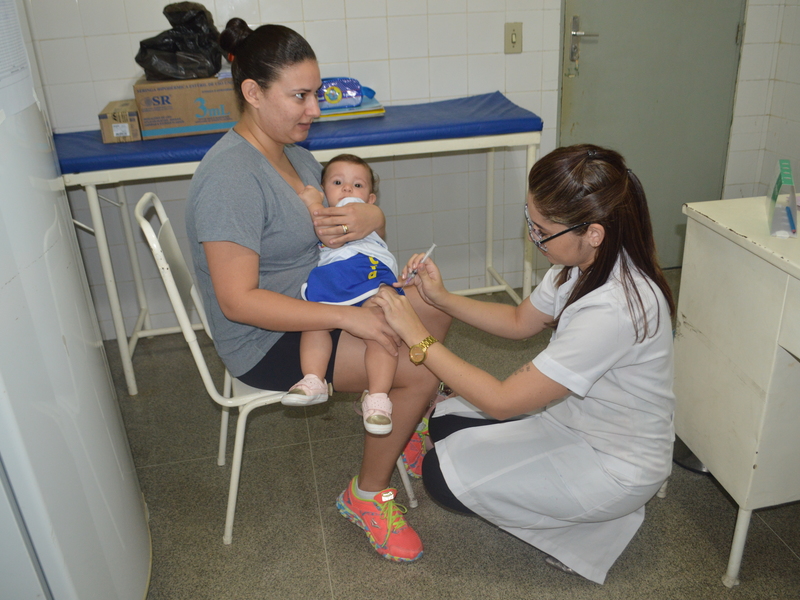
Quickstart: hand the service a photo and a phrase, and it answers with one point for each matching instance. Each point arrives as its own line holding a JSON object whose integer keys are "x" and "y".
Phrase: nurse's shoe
{"x": 308, "y": 391}
{"x": 552, "y": 561}
{"x": 383, "y": 521}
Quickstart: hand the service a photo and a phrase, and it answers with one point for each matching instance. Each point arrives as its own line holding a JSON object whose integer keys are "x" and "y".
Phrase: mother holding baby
{"x": 254, "y": 245}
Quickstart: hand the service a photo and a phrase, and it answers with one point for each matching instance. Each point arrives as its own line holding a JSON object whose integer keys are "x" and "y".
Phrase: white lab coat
{"x": 573, "y": 479}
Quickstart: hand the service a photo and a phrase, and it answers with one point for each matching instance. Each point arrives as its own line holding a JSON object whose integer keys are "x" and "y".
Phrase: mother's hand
{"x": 400, "y": 315}
{"x": 336, "y": 225}
{"x": 368, "y": 323}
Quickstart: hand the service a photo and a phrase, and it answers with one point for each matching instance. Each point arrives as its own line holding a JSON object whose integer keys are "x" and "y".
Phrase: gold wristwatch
{"x": 418, "y": 352}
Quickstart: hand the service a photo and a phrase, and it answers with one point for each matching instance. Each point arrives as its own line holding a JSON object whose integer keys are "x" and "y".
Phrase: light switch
{"x": 513, "y": 38}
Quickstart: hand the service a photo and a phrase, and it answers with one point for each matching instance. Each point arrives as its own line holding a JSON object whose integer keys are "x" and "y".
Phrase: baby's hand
{"x": 311, "y": 195}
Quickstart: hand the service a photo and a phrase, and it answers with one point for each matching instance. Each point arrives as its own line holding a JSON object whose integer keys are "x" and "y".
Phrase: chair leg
{"x": 236, "y": 469}
{"x": 401, "y": 469}
{"x": 236, "y": 464}
{"x": 223, "y": 435}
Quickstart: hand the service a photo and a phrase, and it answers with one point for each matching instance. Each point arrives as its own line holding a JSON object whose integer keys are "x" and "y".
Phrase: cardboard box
{"x": 119, "y": 122}
{"x": 185, "y": 107}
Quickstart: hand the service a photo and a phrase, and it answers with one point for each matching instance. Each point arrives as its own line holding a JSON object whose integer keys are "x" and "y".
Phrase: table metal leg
{"x": 528, "y": 253}
{"x": 737, "y": 548}
{"x": 491, "y": 272}
{"x": 138, "y": 282}
{"x": 111, "y": 286}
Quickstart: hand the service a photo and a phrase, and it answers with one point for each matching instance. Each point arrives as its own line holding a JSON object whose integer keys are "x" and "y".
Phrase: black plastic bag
{"x": 189, "y": 50}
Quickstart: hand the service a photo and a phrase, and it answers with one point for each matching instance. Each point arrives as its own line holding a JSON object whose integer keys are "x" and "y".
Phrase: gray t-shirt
{"x": 237, "y": 196}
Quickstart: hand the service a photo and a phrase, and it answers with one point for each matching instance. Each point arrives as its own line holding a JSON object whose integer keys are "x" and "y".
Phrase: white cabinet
{"x": 737, "y": 357}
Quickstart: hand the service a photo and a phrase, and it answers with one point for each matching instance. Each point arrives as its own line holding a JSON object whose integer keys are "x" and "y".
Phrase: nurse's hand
{"x": 400, "y": 315}
{"x": 428, "y": 279}
{"x": 368, "y": 323}
{"x": 336, "y": 225}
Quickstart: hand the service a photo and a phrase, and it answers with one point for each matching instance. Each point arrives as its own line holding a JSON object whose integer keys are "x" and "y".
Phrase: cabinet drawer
{"x": 789, "y": 336}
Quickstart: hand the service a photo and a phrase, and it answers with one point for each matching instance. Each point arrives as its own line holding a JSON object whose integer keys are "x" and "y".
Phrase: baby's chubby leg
{"x": 315, "y": 352}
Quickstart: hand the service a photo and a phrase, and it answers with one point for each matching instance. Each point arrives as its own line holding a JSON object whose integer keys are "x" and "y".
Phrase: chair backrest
{"x": 177, "y": 279}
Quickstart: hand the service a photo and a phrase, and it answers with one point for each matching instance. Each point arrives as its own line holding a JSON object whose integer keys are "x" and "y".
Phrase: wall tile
{"x": 486, "y": 73}
{"x": 103, "y": 17}
{"x": 336, "y": 69}
{"x": 414, "y": 234}
{"x": 280, "y": 11}
{"x": 387, "y": 199}
{"x": 450, "y": 192}
{"x": 551, "y": 70}
{"x": 448, "y": 77}
{"x": 485, "y": 32}
{"x": 413, "y": 196}
{"x": 54, "y": 19}
{"x": 421, "y": 166}
{"x": 110, "y": 91}
{"x": 756, "y": 62}
{"x": 406, "y": 7}
{"x": 112, "y": 57}
{"x": 751, "y": 98}
{"x": 451, "y": 227}
{"x": 549, "y": 113}
{"x": 359, "y": 9}
{"x": 475, "y": 6}
{"x": 224, "y": 10}
{"x": 408, "y": 37}
{"x": 447, "y": 35}
{"x": 327, "y": 40}
{"x": 523, "y": 72}
{"x": 451, "y": 162}
{"x": 374, "y": 74}
{"x": 551, "y": 29}
{"x": 755, "y": 124}
{"x": 532, "y": 25}
{"x": 322, "y": 10}
{"x": 477, "y": 188}
{"x": 519, "y": 5}
{"x": 368, "y": 39}
{"x": 73, "y": 106}
{"x": 742, "y": 167}
{"x": 410, "y": 79}
{"x": 453, "y": 261}
{"x": 65, "y": 61}
{"x": 762, "y": 25}
{"x": 146, "y": 15}
{"x": 448, "y": 7}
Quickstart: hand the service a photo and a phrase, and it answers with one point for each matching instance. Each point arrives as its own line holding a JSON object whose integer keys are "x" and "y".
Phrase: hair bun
{"x": 235, "y": 32}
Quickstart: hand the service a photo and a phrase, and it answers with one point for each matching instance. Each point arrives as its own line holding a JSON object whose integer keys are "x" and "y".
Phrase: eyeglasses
{"x": 537, "y": 237}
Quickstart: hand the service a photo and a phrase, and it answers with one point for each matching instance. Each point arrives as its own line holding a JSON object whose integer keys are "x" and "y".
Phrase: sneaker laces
{"x": 392, "y": 513}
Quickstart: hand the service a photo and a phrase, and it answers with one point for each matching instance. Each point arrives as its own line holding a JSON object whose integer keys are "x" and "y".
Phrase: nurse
{"x": 253, "y": 246}
{"x": 564, "y": 453}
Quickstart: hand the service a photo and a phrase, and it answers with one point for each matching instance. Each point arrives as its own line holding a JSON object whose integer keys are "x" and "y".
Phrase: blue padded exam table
{"x": 483, "y": 122}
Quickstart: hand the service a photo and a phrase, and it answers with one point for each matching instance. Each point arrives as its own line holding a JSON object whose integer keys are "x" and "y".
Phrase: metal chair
{"x": 183, "y": 295}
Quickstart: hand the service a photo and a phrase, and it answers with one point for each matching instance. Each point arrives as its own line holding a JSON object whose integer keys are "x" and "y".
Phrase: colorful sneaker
{"x": 415, "y": 450}
{"x": 309, "y": 390}
{"x": 376, "y": 410}
{"x": 384, "y": 523}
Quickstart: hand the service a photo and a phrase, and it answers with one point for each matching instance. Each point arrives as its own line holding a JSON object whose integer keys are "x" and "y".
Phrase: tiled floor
{"x": 289, "y": 541}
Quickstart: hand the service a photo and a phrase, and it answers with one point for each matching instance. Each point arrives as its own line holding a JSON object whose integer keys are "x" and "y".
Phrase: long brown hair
{"x": 262, "y": 54}
{"x": 590, "y": 184}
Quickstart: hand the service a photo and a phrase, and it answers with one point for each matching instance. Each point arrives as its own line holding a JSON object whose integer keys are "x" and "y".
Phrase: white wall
{"x": 408, "y": 51}
{"x": 766, "y": 123}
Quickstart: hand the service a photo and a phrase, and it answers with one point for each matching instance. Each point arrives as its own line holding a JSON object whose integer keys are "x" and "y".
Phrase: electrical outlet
{"x": 513, "y": 38}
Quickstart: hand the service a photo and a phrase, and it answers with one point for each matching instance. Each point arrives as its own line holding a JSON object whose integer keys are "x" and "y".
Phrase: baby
{"x": 349, "y": 275}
